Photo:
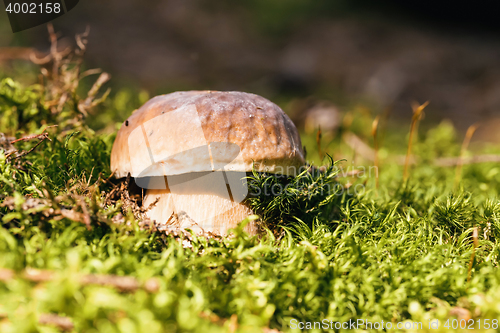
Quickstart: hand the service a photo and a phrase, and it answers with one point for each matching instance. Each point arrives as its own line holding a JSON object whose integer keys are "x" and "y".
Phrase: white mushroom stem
{"x": 201, "y": 212}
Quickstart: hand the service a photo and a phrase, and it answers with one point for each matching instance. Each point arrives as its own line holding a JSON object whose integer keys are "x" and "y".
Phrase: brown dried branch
{"x": 460, "y": 313}
{"x": 376, "y": 147}
{"x": 29, "y": 137}
{"x": 12, "y": 53}
{"x": 318, "y": 143}
{"x": 152, "y": 285}
{"x": 62, "y": 323}
{"x": 125, "y": 196}
{"x": 465, "y": 145}
{"x": 41, "y": 137}
{"x": 144, "y": 210}
{"x": 351, "y": 173}
{"x": 57, "y": 56}
{"x": 30, "y": 203}
{"x": 55, "y": 208}
{"x": 86, "y": 215}
{"x": 475, "y": 243}
{"x": 91, "y": 101}
{"x": 40, "y": 61}
{"x": 121, "y": 283}
{"x": 89, "y": 72}
{"x": 453, "y": 161}
{"x": 131, "y": 202}
{"x": 6, "y": 274}
{"x": 417, "y": 113}
{"x": 353, "y": 141}
{"x": 82, "y": 40}
{"x": 36, "y": 275}
{"x": 62, "y": 73}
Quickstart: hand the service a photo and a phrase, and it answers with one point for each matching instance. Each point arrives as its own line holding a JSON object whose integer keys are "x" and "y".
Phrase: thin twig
{"x": 62, "y": 323}
{"x": 122, "y": 283}
{"x": 90, "y": 101}
{"x": 417, "y": 112}
{"x": 375, "y": 146}
{"x": 475, "y": 244}
{"x": 358, "y": 146}
{"x": 41, "y": 137}
{"x": 151, "y": 205}
{"x": 318, "y": 143}
{"x": 86, "y": 215}
{"x": 452, "y": 161}
{"x": 465, "y": 145}
{"x": 6, "y": 274}
{"x": 81, "y": 40}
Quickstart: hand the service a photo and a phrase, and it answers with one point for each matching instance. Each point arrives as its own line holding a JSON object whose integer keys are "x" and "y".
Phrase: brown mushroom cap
{"x": 167, "y": 125}
{"x": 204, "y": 142}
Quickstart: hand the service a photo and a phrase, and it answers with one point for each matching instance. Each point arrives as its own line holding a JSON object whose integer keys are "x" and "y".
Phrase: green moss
{"x": 401, "y": 252}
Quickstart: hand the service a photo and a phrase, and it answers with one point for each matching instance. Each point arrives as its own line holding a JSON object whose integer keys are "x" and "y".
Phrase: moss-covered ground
{"x": 75, "y": 254}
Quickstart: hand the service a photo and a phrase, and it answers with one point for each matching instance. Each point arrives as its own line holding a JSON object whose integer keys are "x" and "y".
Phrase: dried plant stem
{"x": 63, "y": 323}
{"x": 475, "y": 244}
{"x": 465, "y": 145}
{"x": 417, "y": 112}
{"x": 376, "y": 147}
{"x": 62, "y": 72}
{"x": 41, "y": 138}
{"x": 359, "y": 146}
{"x": 121, "y": 283}
{"x": 452, "y": 161}
{"x": 318, "y": 142}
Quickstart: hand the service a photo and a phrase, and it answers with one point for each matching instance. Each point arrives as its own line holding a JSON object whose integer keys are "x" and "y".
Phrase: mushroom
{"x": 192, "y": 151}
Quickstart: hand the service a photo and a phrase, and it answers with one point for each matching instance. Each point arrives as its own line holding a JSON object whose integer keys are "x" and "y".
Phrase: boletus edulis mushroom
{"x": 191, "y": 151}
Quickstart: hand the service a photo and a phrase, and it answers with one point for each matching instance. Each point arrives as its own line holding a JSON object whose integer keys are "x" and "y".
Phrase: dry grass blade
{"x": 36, "y": 275}
{"x": 358, "y": 146}
{"x": 376, "y": 147}
{"x": 41, "y": 137}
{"x": 318, "y": 143}
{"x": 417, "y": 112}
{"x": 91, "y": 101}
{"x": 6, "y": 274}
{"x": 62, "y": 323}
{"x": 465, "y": 145}
{"x": 61, "y": 75}
{"x": 233, "y": 323}
{"x": 85, "y": 213}
{"x": 475, "y": 235}
{"x": 121, "y": 283}
{"x": 453, "y": 161}
{"x": 460, "y": 313}
{"x": 12, "y": 53}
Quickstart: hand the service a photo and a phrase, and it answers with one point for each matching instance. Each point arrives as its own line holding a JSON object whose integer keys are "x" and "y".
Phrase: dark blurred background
{"x": 382, "y": 55}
